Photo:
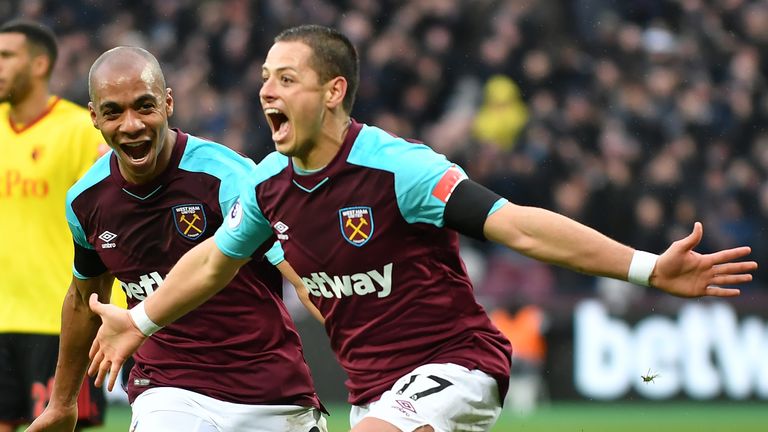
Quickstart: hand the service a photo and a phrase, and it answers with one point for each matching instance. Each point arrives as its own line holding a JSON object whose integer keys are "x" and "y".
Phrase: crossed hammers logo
{"x": 191, "y": 224}
{"x": 357, "y": 228}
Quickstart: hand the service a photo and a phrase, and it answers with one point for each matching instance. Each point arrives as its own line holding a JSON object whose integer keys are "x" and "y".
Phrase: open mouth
{"x": 279, "y": 123}
{"x": 138, "y": 150}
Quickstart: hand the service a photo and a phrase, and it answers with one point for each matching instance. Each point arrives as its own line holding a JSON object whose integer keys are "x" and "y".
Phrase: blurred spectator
{"x": 502, "y": 114}
{"x": 524, "y": 325}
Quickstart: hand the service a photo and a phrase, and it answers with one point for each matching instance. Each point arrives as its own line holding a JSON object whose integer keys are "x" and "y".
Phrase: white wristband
{"x": 641, "y": 267}
{"x": 142, "y": 321}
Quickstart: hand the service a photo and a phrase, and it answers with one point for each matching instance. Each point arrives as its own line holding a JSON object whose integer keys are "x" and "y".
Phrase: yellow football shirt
{"x": 38, "y": 163}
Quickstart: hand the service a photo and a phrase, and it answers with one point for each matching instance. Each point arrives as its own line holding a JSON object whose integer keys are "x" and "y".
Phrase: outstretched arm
{"x": 199, "y": 274}
{"x": 556, "y": 239}
{"x": 301, "y": 290}
{"x": 78, "y": 328}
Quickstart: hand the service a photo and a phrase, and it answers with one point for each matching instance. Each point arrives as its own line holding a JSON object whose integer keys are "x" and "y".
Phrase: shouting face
{"x": 292, "y": 98}
{"x": 130, "y": 106}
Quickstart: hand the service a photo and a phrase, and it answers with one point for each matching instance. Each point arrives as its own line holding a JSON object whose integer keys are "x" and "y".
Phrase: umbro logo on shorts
{"x": 406, "y": 405}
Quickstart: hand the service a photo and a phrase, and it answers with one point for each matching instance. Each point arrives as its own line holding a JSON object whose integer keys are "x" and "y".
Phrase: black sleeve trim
{"x": 258, "y": 254}
{"x": 468, "y": 207}
{"x": 87, "y": 262}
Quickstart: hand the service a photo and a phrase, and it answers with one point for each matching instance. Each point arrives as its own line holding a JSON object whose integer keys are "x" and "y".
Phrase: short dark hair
{"x": 40, "y": 38}
{"x": 333, "y": 55}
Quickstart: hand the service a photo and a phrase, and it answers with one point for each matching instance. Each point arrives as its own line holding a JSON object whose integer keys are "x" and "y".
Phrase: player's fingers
{"x": 97, "y": 380}
{"x": 114, "y": 371}
{"x": 735, "y": 279}
{"x": 735, "y": 268}
{"x": 94, "y": 349}
{"x": 96, "y": 360}
{"x": 716, "y": 291}
{"x": 728, "y": 255}
{"x": 94, "y": 303}
{"x": 692, "y": 239}
{"x": 102, "y": 375}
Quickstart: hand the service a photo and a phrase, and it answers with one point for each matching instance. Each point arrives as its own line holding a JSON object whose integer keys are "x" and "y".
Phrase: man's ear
{"x": 336, "y": 90}
{"x": 40, "y": 64}
{"x": 169, "y": 102}
{"x": 92, "y": 112}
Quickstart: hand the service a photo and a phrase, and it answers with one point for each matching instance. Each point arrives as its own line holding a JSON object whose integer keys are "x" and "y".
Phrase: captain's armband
{"x": 468, "y": 207}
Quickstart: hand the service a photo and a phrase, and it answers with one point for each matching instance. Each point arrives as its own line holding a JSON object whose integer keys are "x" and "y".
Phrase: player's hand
{"x": 115, "y": 341}
{"x": 55, "y": 419}
{"x": 684, "y": 273}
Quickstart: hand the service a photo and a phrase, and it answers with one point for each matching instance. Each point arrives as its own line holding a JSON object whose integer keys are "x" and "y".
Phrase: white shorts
{"x": 168, "y": 409}
{"x": 447, "y": 397}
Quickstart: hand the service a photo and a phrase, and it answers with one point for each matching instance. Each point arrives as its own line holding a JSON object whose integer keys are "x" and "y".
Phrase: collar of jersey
{"x": 312, "y": 181}
{"x": 19, "y": 128}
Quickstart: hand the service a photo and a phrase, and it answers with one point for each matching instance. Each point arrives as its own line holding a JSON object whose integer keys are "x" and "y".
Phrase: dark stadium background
{"x": 636, "y": 117}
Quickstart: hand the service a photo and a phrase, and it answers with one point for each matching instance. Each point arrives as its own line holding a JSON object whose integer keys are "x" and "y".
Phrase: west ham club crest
{"x": 190, "y": 220}
{"x": 356, "y": 224}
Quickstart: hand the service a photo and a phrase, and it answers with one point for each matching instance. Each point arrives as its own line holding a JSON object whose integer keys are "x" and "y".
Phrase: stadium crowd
{"x": 636, "y": 118}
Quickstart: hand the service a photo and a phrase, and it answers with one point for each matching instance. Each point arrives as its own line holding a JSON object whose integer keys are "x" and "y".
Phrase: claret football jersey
{"x": 240, "y": 346}
{"x": 366, "y": 235}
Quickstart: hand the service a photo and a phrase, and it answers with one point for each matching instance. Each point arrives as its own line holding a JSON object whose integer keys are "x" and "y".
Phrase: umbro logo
{"x": 107, "y": 238}
{"x": 281, "y": 228}
{"x": 405, "y": 407}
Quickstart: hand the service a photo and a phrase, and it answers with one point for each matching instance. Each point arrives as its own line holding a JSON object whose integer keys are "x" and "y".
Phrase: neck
{"x": 165, "y": 155}
{"x": 31, "y": 107}
{"x": 326, "y": 146}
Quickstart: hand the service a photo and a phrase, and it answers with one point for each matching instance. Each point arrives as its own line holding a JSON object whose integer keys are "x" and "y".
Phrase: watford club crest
{"x": 190, "y": 220}
{"x": 37, "y": 153}
{"x": 356, "y": 224}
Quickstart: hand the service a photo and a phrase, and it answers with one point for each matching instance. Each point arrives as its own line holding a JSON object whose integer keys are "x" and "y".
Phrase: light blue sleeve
{"x": 229, "y": 194}
{"x": 231, "y": 169}
{"x": 78, "y": 234}
{"x": 221, "y": 162}
{"x": 95, "y": 174}
{"x": 245, "y": 228}
{"x": 275, "y": 254}
{"x": 417, "y": 170}
{"x": 497, "y": 205}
